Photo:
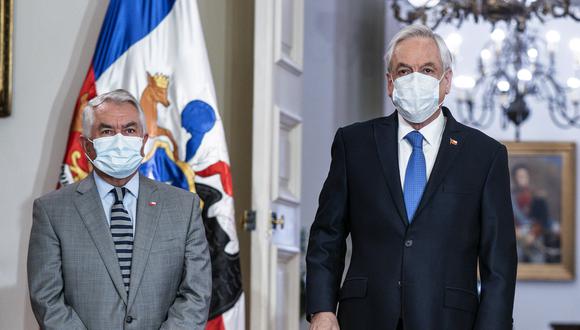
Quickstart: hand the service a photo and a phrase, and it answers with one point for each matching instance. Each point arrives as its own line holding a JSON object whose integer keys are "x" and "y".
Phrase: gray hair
{"x": 117, "y": 96}
{"x": 419, "y": 31}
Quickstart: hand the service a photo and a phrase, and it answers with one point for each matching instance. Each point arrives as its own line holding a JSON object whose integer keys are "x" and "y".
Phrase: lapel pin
{"x": 152, "y": 203}
{"x": 452, "y": 141}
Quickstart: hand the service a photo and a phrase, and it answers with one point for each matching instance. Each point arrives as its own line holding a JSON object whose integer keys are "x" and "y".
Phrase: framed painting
{"x": 543, "y": 178}
{"x": 6, "y": 16}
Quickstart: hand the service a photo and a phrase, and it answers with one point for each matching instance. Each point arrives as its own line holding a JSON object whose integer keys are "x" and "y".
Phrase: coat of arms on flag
{"x": 156, "y": 51}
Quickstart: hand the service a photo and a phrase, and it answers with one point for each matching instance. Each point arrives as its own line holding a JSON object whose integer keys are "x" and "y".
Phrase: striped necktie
{"x": 416, "y": 174}
{"x": 122, "y": 231}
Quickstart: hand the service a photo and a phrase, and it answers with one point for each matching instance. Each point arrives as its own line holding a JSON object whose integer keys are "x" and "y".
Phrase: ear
{"x": 448, "y": 77}
{"x": 145, "y": 138}
{"x": 87, "y": 147}
{"x": 390, "y": 84}
{"x": 149, "y": 78}
{"x": 84, "y": 143}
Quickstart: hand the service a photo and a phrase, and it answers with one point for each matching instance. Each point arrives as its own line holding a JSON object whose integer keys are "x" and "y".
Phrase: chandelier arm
{"x": 484, "y": 115}
{"x": 557, "y": 121}
{"x": 471, "y": 114}
{"x": 461, "y": 104}
{"x": 557, "y": 105}
{"x": 397, "y": 13}
{"x": 564, "y": 9}
{"x": 437, "y": 22}
{"x": 487, "y": 117}
{"x": 574, "y": 16}
{"x": 572, "y": 13}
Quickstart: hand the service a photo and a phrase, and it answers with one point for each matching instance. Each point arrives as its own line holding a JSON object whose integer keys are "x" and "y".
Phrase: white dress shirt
{"x": 129, "y": 201}
{"x": 432, "y": 135}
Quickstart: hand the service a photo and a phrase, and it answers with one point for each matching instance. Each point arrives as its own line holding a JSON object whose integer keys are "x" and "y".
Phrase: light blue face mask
{"x": 118, "y": 156}
{"x": 416, "y": 96}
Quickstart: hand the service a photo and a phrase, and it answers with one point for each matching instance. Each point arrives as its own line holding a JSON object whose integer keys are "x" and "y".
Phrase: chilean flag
{"x": 156, "y": 51}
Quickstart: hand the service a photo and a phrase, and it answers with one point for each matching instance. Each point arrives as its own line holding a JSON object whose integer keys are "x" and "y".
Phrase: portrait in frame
{"x": 543, "y": 178}
{"x": 6, "y": 18}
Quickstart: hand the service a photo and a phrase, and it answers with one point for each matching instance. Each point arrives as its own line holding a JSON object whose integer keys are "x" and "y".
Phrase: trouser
{"x": 400, "y": 325}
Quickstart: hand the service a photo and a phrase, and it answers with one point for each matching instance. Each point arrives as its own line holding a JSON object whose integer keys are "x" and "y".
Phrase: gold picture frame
{"x": 543, "y": 179}
{"x": 6, "y": 26}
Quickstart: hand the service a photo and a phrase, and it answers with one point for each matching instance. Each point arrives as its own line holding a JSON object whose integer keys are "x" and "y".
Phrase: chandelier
{"x": 517, "y": 68}
{"x": 434, "y": 12}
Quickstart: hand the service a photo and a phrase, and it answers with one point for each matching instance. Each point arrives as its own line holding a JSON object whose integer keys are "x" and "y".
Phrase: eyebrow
{"x": 403, "y": 65}
{"x": 107, "y": 126}
{"x": 103, "y": 126}
{"x": 422, "y": 66}
{"x": 133, "y": 123}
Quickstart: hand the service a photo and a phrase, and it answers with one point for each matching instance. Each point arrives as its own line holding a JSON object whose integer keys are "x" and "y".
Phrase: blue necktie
{"x": 416, "y": 174}
{"x": 122, "y": 231}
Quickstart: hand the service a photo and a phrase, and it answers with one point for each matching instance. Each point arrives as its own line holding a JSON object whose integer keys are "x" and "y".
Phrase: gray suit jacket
{"x": 74, "y": 276}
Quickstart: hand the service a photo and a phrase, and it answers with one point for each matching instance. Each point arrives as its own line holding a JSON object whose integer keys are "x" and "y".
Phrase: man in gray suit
{"x": 117, "y": 250}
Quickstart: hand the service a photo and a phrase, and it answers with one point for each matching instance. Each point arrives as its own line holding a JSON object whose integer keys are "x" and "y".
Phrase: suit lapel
{"x": 387, "y": 144}
{"x": 448, "y": 151}
{"x": 146, "y": 227}
{"x": 89, "y": 206}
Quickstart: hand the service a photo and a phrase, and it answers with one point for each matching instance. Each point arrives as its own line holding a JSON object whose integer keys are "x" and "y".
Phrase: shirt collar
{"x": 103, "y": 187}
{"x": 431, "y": 133}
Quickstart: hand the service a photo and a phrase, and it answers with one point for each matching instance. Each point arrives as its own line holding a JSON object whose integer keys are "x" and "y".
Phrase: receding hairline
{"x": 433, "y": 41}
{"x": 99, "y": 106}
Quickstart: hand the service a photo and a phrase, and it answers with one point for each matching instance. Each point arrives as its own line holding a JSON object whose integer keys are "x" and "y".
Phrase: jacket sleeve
{"x": 191, "y": 306}
{"x": 497, "y": 249}
{"x": 45, "y": 279}
{"x": 327, "y": 243}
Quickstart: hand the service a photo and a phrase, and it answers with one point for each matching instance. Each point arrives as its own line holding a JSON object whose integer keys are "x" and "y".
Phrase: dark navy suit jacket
{"x": 424, "y": 273}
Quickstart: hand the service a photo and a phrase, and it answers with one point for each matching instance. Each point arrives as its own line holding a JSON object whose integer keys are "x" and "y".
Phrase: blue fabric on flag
{"x": 416, "y": 174}
{"x": 126, "y": 22}
{"x": 197, "y": 118}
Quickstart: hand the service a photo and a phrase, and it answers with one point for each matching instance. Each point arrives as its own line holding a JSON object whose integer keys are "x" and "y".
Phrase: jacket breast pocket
{"x": 461, "y": 299}
{"x": 354, "y": 287}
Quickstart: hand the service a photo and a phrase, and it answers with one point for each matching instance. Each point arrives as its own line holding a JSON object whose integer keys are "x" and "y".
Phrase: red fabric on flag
{"x": 215, "y": 324}
{"x": 223, "y": 170}
{"x": 74, "y": 155}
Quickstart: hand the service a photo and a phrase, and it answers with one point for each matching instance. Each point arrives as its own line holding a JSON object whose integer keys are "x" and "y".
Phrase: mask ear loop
{"x": 86, "y": 155}
{"x": 443, "y": 75}
{"x": 391, "y": 78}
{"x": 441, "y": 79}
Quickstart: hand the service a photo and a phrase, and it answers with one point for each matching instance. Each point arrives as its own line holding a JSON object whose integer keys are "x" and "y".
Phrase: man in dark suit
{"x": 426, "y": 200}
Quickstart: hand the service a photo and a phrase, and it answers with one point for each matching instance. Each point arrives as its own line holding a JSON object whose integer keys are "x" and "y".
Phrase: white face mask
{"x": 416, "y": 96}
{"x": 118, "y": 156}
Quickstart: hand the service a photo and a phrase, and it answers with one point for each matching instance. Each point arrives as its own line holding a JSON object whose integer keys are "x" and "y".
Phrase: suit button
{"x": 129, "y": 319}
{"x": 409, "y": 243}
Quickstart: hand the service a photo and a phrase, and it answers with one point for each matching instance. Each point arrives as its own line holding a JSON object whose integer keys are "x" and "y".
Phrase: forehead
{"x": 113, "y": 111}
{"x": 416, "y": 51}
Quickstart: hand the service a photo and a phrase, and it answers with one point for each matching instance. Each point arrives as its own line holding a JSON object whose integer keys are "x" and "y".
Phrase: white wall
{"x": 53, "y": 45}
{"x": 537, "y": 304}
{"x": 343, "y": 82}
